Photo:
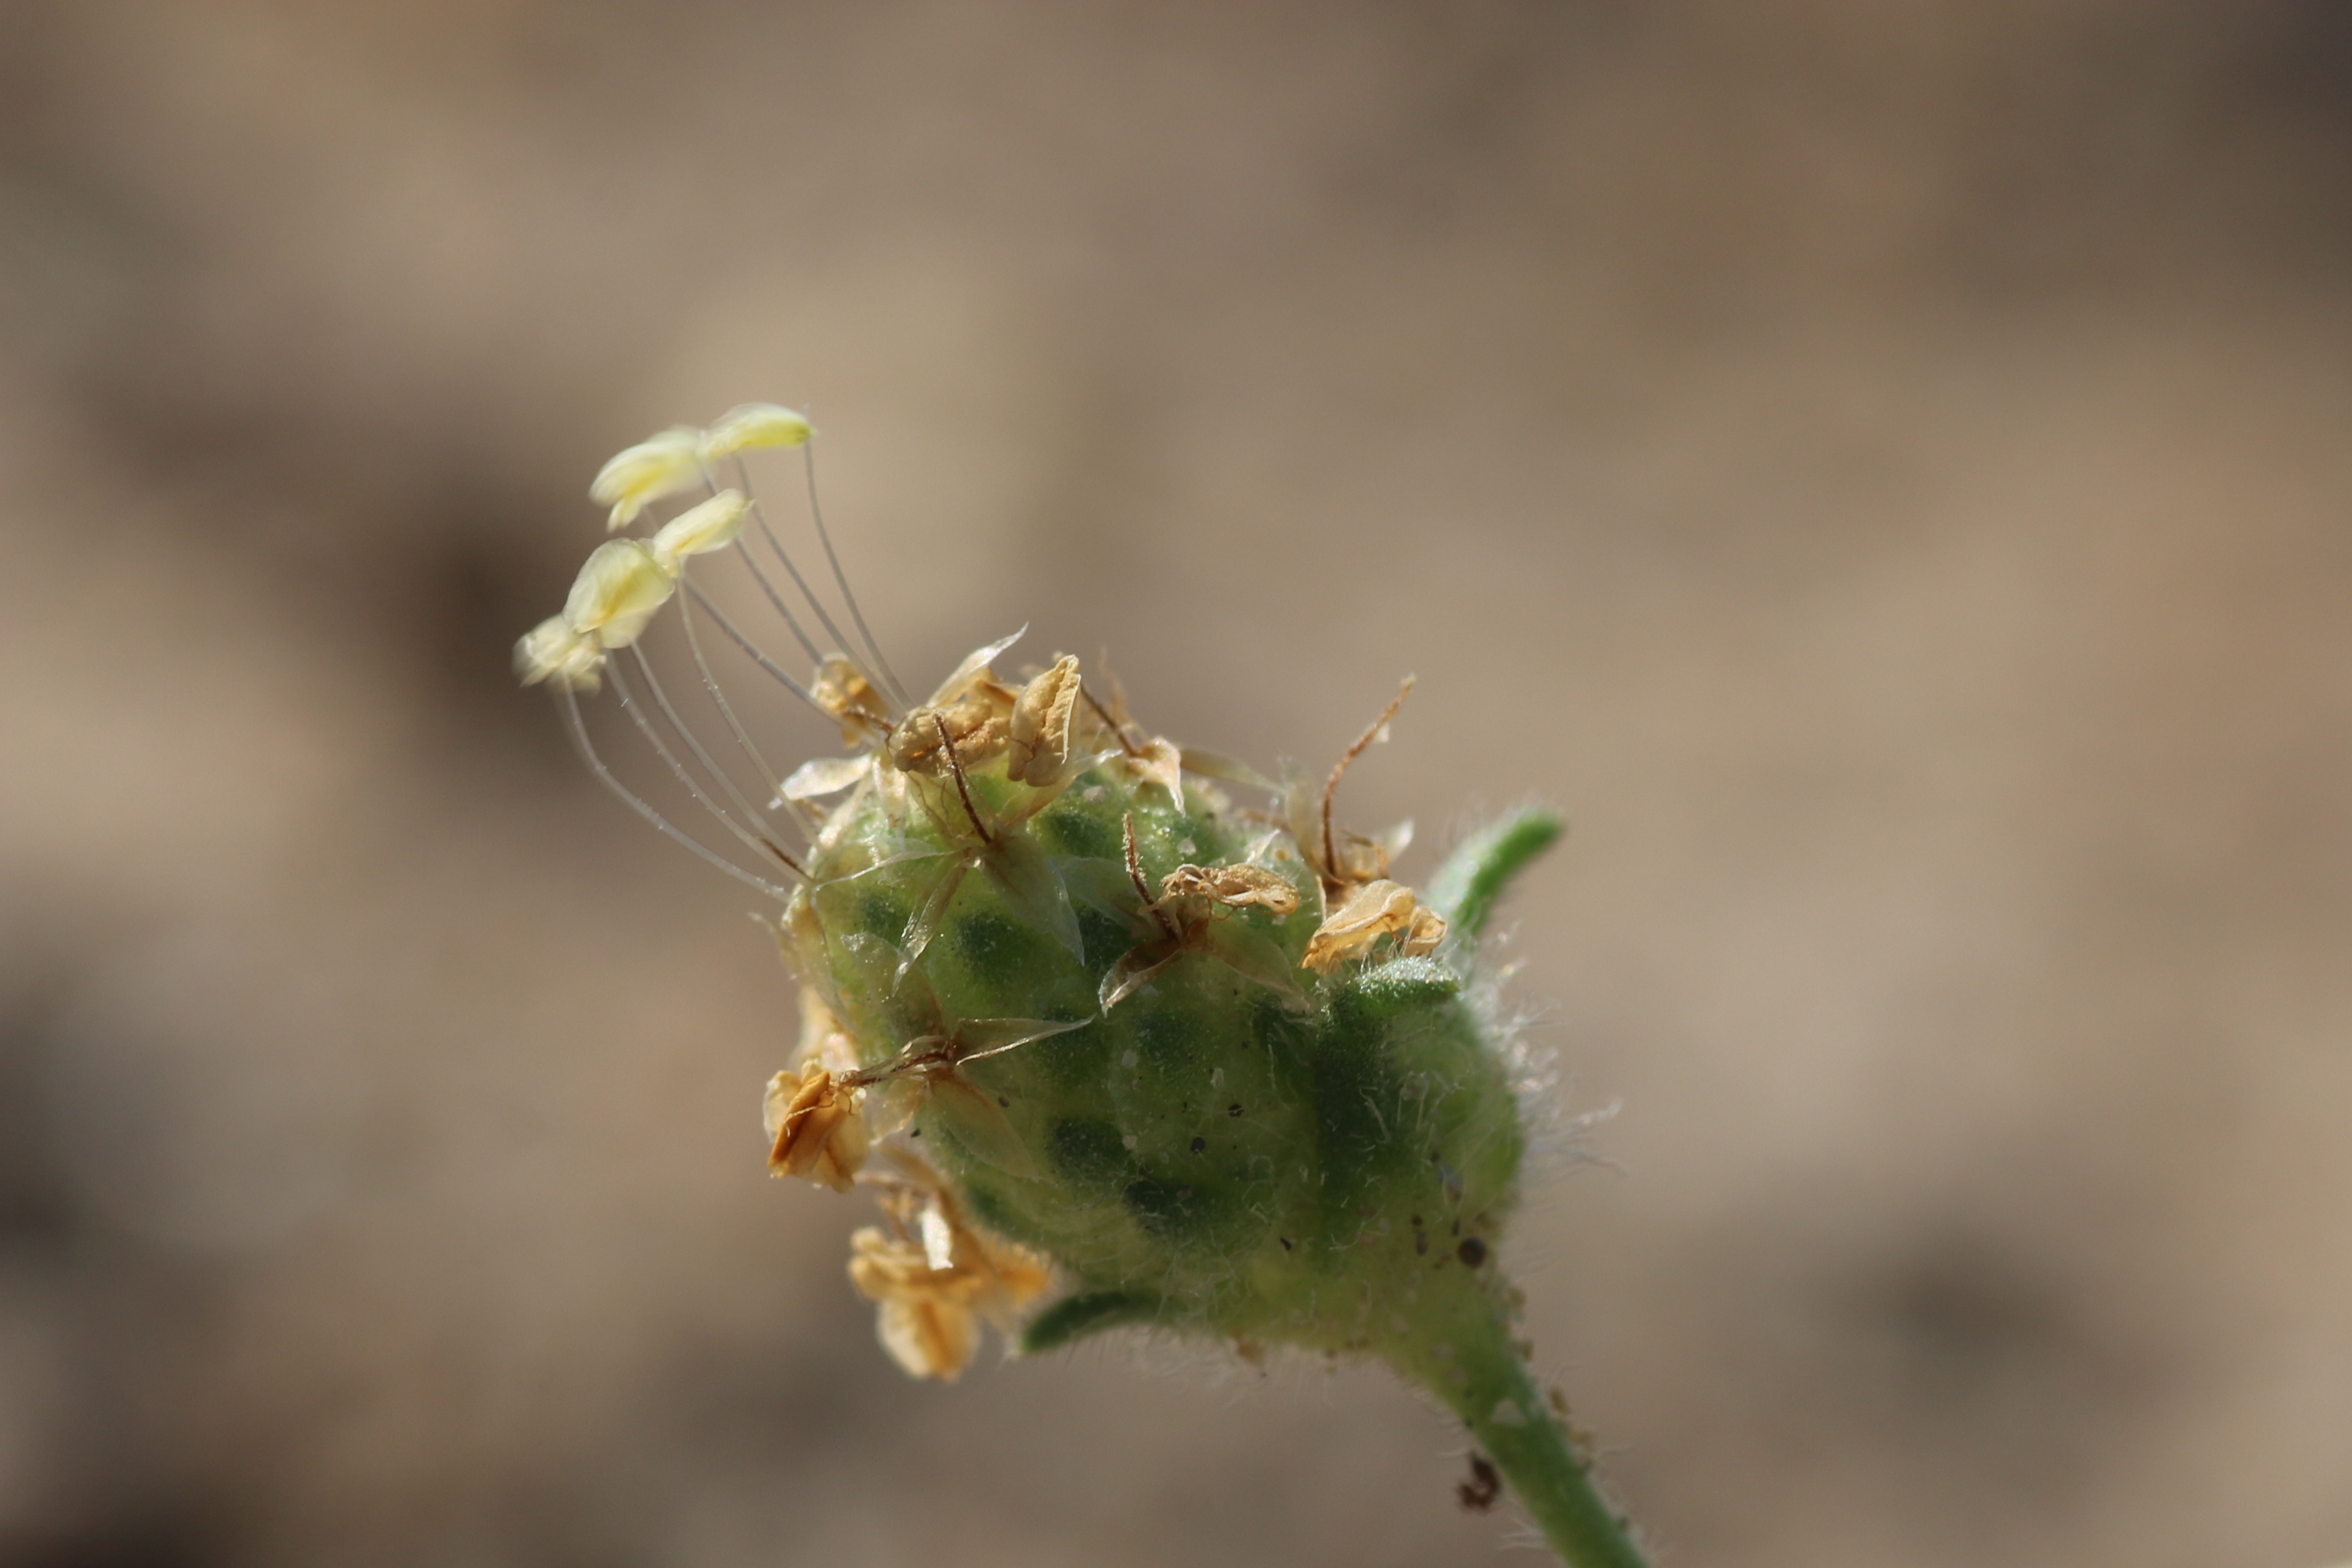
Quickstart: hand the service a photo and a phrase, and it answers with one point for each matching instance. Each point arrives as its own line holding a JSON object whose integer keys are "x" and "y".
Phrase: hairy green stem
{"x": 1476, "y": 1369}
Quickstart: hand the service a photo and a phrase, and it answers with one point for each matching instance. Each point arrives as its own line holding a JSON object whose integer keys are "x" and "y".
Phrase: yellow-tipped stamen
{"x": 553, "y": 651}
{"x": 751, "y": 426}
{"x": 708, "y": 526}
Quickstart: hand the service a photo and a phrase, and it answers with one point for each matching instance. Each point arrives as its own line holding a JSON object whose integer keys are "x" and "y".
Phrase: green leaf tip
{"x": 1073, "y": 1318}
{"x": 1476, "y": 875}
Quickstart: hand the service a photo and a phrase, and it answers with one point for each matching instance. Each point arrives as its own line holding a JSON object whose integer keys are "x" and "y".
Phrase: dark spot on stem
{"x": 1473, "y": 1253}
{"x": 1478, "y": 1494}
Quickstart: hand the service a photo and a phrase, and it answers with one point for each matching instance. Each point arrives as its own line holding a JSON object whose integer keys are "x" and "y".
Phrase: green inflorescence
{"x": 1079, "y": 1019}
{"x": 1296, "y": 1163}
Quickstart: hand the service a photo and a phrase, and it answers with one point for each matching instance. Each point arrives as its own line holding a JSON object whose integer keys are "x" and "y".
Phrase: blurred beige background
{"x": 1882, "y": 468}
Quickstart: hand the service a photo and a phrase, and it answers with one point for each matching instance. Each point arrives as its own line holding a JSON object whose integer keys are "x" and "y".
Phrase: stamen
{"x": 570, "y": 703}
{"x": 678, "y": 769}
{"x": 1135, "y": 874}
{"x": 759, "y": 514}
{"x": 742, "y": 550}
{"x": 750, "y": 649}
{"x": 1332, "y": 786}
{"x": 727, "y": 710}
{"x": 816, "y": 515}
{"x": 955, "y": 765}
{"x": 660, "y": 466}
{"x": 698, "y": 530}
{"x": 694, "y": 743}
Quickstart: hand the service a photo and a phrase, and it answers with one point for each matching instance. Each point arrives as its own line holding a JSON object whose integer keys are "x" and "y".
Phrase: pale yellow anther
{"x": 752, "y": 425}
{"x": 699, "y": 530}
{"x": 553, "y": 651}
{"x": 658, "y": 467}
{"x": 616, "y": 592}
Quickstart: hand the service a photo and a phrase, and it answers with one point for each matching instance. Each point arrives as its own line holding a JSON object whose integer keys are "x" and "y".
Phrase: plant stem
{"x": 1477, "y": 1371}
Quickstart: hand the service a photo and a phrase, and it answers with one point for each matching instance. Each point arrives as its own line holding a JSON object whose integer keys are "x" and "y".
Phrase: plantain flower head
{"x": 1118, "y": 1031}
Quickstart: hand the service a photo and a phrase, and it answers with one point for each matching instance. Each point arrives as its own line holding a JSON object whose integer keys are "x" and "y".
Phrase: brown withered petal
{"x": 1237, "y": 885}
{"x": 814, "y": 1128}
{"x": 974, "y": 670}
{"x": 850, "y": 699}
{"x": 1426, "y": 934}
{"x": 926, "y": 1322}
{"x": 929, "y": 1313}
{"x": 929, "y": 1336}
{"x": 1368, "y": 912}
{"x": 1039, "y": 730}
{"x": 974, "y": 722}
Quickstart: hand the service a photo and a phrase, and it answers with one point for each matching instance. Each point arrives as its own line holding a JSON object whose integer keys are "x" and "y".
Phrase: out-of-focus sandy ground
{"x": 1883, "y": 469}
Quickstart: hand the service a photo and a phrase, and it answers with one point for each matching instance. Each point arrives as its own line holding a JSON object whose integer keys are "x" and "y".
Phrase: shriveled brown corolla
{"x": 1190, "y": 915}
{"x": 972, "y": 707}
{"x": 842, "y": 689}
{"x": 1040, "y": 729}
{"x": 1135, "y": 756}
{"x": 974, "y": 726}
{"x": 813, "y": 1127}
{"x": 1367, "y": 913}
{"x": 934, "y": 1276}
{"x": 1236, "y": 886}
